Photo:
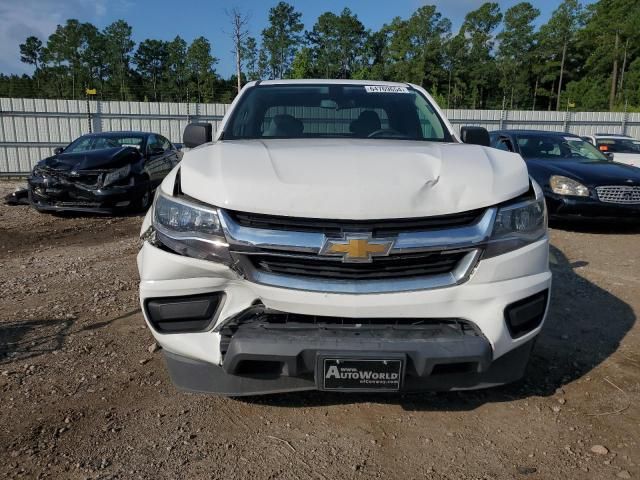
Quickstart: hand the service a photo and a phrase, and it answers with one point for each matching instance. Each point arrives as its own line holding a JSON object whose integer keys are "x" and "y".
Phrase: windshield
{"x": 619, "y": 145}
{"x": 96, "y": 142}
{"x": 557, "y": 147}
{"x": 335, "y": 111}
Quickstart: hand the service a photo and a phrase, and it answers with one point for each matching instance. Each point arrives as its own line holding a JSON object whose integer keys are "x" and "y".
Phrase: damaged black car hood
{"x": 93, "y": 159}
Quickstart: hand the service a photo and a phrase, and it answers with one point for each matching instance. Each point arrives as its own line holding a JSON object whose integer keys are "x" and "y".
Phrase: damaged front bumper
{"x": 223, "y": 334}
{"x": 272, "y": 352}
{"x": 61, "y": 192}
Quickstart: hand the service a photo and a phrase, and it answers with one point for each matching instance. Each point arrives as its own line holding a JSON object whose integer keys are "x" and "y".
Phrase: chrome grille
{"x": 623, "y": 194}
{"x": 427, "y": 253}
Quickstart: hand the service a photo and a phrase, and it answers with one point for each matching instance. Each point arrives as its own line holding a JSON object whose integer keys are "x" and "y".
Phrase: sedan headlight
{"x": 189, "y": 228}
{"x": 118, "y": 174}
{"x": 567, "y": 186}
{"x": 518, "y": 224}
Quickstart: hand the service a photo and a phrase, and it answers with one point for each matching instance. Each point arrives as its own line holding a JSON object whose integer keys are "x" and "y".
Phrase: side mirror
{"x": 197, "y": 134}
{"x": 475, "y": 136}
{"x": 157, "y": 151}
{"x": 58, "y": 150}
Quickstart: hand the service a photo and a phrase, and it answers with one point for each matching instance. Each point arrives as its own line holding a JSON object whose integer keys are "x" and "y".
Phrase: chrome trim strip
{"x": 239, "y": 236}
{"x": 246, "y": 241}
{"x": 242, "y": 238}
{"x": 459, "y": 275}
{"x": 446, "y": 239}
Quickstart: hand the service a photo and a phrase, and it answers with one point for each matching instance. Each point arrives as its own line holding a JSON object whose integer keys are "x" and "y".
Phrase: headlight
{"x": 567, "y": 186}
{"x": 518, "y": 224}
{"x": 189, "y": 228}
{"x": 113, "y": 177}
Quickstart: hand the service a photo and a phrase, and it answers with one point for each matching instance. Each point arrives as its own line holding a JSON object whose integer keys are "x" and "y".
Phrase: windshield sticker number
{"x": 385, "y": 89}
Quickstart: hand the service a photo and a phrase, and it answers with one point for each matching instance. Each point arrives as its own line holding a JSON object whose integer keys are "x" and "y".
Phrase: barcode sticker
{"x": 385, "y": 89}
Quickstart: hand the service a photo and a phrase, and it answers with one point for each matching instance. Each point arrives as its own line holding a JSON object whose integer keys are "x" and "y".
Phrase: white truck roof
{"x": 329, "y": 82}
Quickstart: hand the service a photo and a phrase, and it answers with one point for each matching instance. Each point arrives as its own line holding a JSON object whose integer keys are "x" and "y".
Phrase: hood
{"x": 588, "y": 172}
{"x": 351, "y": 179}
{"x": 92, "y": 159}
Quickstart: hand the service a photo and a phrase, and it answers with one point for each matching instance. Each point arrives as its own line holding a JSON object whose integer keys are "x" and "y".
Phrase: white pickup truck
{"x": 340, "y": 235}
{"x": 620, "y": 148}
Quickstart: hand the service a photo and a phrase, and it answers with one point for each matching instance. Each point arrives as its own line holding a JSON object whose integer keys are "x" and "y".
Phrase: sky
{"x": 164, "y": 19}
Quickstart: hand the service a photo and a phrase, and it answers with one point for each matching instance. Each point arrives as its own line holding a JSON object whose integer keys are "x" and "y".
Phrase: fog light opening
{"x": 193, "y": 313}
{"x": 527, "y": 314}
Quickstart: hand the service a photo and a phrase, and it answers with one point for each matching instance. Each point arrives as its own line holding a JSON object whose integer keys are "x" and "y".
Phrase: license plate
{"x": 361, "y": 374}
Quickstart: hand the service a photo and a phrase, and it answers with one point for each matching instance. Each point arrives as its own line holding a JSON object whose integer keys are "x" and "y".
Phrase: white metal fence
{"x": 31, "y": 128}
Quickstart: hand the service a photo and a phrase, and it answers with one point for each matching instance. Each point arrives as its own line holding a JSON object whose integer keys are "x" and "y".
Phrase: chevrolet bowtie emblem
{"x": 356, "y": 248}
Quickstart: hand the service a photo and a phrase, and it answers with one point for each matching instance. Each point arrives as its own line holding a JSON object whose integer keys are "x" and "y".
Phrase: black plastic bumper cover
{"x": 70, "y": 197}
{"x": 428, "y": 358}
{"x": 590, "y": 208}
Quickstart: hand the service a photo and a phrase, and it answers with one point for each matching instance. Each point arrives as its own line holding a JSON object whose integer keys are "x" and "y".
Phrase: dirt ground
{"x": 83, "y": 395}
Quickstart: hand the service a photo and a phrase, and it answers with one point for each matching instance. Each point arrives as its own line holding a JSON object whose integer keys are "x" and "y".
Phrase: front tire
{"x": 143, "y": 203}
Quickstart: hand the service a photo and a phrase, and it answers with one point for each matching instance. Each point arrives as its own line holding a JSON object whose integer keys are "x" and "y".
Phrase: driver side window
{"x": 152, "y": 143}
{"x": 166, "y": 144}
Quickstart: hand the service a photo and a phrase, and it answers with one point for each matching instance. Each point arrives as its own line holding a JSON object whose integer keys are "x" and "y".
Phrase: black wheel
{"x": 143, "y": 203}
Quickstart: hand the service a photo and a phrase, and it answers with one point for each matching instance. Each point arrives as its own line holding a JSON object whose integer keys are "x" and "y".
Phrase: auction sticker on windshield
{"x": 385, "y": 89}
{"x": 361, "y": 374}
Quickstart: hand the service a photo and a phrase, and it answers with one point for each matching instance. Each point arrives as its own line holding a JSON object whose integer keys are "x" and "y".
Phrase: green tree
{"x": 611, "y": 38}
{"x": 176, "y": 69}
{"x": 415, "y": 48}
{"x": 68, "y": 48}
{"x": 118, "y": 47}
{"x": 336, "y": 43}
{"x": 373, "y": 61}
{"x": 250, "y": 57}
{"x": 281, "y": 38}
{"x": 151, "y": 58}
{"x": 302, "y": 65}
{"x": 200, "y": 62}
{"x": 456, "y": 64}
{"x": 263, "y": 63}
{"x": 632, "y": 86}
{"x": 478, "y": 28}
{"x": 31, "y": 52}
{"x": 558, "y": 35}
{"x": 514, "y": 56}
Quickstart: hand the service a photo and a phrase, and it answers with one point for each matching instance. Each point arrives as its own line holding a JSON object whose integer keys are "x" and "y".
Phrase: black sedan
{"x": 577, "y": 179}
{"x": 103, "y": 173}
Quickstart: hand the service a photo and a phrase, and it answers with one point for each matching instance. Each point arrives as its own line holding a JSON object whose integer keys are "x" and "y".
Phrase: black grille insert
{"x": 393, "y": 266}
{"x": 378, "y": 228}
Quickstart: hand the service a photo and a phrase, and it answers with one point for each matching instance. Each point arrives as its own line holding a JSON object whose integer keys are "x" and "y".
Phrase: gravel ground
{"x": 85, "y": 394}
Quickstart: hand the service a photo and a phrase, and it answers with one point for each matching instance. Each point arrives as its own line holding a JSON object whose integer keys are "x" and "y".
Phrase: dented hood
{"x": 351, "y": 179}
{"x": 92, "y": 159}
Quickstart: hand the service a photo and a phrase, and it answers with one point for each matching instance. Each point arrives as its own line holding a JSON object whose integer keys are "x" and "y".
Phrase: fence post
{"x": 97, "y": 117}
{"x": 89, "y": 120}
{"x": 567, "y": 120}
{"x": 625, "y": 119}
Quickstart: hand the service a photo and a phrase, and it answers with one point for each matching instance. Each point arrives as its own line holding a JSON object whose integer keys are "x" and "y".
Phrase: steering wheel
{"x": 385, "y": 131}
